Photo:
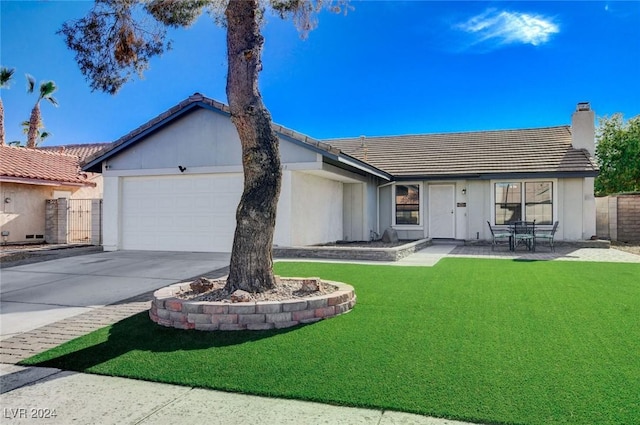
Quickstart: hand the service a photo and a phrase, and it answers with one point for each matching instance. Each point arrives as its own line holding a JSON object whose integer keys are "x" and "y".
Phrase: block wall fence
{"x": 618, "y": 217}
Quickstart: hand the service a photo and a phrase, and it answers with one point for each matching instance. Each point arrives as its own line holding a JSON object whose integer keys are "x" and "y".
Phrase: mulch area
{"x": 632, "y": 247}
{"x": 18, "y": 255}
{"x": 366, "y": 244}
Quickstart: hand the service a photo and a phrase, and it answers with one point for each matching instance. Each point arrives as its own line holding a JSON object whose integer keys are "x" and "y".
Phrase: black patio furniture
{"x": 500, "y": 235}
{"x": 547, "y": 235}
{"x": 524, "y": 234}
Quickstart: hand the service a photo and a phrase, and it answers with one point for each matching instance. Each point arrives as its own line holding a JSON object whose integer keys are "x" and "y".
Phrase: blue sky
{"x": 386, "y": 68}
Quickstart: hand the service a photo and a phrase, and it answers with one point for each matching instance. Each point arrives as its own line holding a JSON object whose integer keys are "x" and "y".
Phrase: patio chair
{"x": 524, "y": 234}
{"x": 499, "y": 235}
{"x": 547, "y": 235}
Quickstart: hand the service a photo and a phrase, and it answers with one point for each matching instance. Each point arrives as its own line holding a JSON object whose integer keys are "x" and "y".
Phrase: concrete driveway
{"x": 35, "y": 295}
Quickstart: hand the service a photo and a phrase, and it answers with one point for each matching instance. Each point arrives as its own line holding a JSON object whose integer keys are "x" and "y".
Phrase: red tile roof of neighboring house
{"x": 37, "y": 166}
{"x": 82, "y": 151}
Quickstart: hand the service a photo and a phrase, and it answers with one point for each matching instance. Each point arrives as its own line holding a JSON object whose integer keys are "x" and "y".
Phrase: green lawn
{"x": 491, "y": 341}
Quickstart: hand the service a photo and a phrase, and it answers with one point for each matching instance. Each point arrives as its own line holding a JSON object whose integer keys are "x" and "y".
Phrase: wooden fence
{"x": 618, "y": 217}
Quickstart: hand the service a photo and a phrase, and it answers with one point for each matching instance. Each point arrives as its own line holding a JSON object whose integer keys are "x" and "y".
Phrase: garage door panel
{"x": 180, "y": 213}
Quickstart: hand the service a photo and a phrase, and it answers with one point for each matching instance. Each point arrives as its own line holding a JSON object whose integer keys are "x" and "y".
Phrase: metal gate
{"x": 79, "y": 221}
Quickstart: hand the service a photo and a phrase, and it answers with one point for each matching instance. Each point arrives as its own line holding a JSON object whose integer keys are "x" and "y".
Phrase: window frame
{"x": 523, "y": 201}
{"x": 527, "y": 203}
{"x": 420, "y": 224}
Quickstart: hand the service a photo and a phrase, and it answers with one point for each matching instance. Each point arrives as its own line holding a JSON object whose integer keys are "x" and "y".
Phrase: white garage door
{"x": 180, "y": 213}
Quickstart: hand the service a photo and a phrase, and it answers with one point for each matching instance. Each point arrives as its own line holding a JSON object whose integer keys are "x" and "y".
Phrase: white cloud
{"x": 504, "y": 27}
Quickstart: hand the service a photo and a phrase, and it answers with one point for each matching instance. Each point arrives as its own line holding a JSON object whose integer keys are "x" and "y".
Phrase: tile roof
{"x": 539, "y": 150}
{"x": 471, "y": 154}
{"x": 82, "y": 151}
{"x": 38, "y": 166}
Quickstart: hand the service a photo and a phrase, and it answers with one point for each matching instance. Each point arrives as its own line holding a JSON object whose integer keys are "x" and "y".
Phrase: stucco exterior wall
{"x": 90, "y": 192}
{"x": 284, "y": 214}
{"x": 574, "y": 207}
{"x": 353, "y": 220}
{"x": 24, "y": 216}
{"x": 571, "y": 209}
{"x": 200, "y": 139}
{"x": 111, "y": 218}
{"x": 384, "y": 208}
{"x": 461, "y": 215}
{"x": 478, "y": 209}
{"x": 371, "y": 207}
{"x": 316, "y": 209}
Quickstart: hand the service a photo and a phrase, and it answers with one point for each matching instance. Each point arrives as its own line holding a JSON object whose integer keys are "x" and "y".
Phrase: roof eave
{"x": 356, "y": 163}
{"x": 333, "y": 153}
{"x": 43, "y": 182}
{"x": 496, "y": 176}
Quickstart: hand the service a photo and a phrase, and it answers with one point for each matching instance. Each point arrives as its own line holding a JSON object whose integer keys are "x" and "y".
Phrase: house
{"x": 174, "y": 183}
{"x": 29, "y": 177}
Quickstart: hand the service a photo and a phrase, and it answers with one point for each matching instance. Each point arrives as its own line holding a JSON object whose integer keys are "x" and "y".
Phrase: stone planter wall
{"x": 351, "y": 252}
{"x": 167, "y": 310}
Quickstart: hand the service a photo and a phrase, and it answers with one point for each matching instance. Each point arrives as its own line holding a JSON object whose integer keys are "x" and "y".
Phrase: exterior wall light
{"x": 464, "y": 191}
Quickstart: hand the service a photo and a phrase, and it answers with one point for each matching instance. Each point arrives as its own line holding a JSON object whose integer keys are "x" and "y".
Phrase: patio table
{"x": 523, "y": 233}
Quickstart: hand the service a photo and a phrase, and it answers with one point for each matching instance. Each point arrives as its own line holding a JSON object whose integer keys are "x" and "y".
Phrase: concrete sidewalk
{"x": 92, "y": 399}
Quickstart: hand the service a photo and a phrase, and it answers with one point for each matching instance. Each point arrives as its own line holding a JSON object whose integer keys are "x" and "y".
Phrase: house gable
{"x": 197, "y": 139}
{"x": 198, "y": 134}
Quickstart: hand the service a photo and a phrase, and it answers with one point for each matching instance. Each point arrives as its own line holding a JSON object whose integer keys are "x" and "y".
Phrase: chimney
{"x": 583, "y": 130}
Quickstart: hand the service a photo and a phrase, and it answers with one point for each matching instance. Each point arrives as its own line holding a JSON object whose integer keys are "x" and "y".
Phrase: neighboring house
{"x": 175, "y": 182}
{"x": 28, "y": 177}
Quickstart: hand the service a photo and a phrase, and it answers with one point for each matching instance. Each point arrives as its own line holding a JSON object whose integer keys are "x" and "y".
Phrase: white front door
{"x": 442, "y": 217}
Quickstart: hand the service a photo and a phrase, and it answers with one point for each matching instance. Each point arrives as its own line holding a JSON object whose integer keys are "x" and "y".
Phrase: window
{"x": 538, "y": 201}
{"x": 528, "y": 201}
{"x": 508, "y": 203}
{"x": 407, "y": 204}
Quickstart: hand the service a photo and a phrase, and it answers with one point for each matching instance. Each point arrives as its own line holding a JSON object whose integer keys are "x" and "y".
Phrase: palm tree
{"x": 41, "y": 134}
{"x": 35, "y": 121}
{"x": 5, "y": 78}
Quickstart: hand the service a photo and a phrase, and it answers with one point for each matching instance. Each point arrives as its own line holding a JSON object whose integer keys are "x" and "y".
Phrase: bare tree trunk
{"x": 1, "y": 123}
{"x": 251, "y": 266}
{"x": 34, "y": 124}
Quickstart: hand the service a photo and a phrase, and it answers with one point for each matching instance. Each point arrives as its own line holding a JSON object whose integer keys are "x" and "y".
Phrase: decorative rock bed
{"x": 167, "y": 309}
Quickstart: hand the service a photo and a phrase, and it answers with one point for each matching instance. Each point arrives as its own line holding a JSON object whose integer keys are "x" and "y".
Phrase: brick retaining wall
{"x": 167, "y": 310}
